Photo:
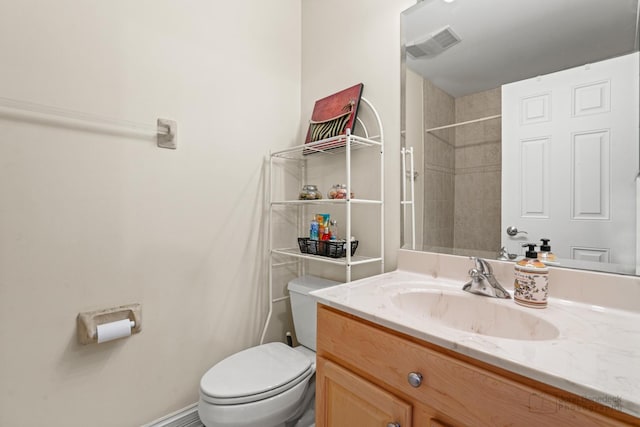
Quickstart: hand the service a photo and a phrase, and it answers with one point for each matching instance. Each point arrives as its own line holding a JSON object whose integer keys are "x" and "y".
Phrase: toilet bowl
{"x": 270, "y": 384}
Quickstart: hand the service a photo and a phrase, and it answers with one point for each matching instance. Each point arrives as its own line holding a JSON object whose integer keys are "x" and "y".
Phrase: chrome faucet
{"x": 483, "y": 282}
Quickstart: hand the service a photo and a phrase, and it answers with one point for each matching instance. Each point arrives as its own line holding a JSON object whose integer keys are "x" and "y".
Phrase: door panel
{"x": 570, "y": 159}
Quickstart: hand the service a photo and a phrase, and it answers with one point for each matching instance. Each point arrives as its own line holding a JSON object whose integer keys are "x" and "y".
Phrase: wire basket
{"x": 328, "y": 248}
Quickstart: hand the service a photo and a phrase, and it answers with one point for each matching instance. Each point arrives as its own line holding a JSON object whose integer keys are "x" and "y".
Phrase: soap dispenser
{"x": 545, "y": 255}
{"x": 531, "y": 285}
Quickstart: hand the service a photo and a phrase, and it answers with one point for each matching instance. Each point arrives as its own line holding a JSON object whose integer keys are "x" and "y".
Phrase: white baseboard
{"x": 185, "y": 417}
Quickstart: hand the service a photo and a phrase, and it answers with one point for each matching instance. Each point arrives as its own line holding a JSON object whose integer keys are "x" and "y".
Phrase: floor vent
{"x": 187, "y": 417}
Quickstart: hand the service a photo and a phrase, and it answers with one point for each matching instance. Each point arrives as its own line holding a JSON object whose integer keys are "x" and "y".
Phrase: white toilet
{"x": 270, "y": 385}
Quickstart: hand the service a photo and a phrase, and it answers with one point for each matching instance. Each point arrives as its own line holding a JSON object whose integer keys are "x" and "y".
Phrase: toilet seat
{"x": 255, "y": 374}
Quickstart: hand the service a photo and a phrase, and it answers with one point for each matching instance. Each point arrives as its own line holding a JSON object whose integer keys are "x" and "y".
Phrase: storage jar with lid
{"x": 310, "y": 192}
{"x": 338, "y": 191}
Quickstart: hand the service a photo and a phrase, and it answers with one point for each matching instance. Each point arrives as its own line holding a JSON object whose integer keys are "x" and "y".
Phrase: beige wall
{"x": 91, "y": 220}
{"x": 358, "y": 41}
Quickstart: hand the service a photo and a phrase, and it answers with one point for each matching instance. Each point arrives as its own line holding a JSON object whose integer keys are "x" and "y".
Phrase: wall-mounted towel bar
{"x": 166, "y": 130}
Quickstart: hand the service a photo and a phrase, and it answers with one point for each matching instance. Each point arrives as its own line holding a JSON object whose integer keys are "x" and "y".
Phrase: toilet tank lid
{"x": 306, "y": 284}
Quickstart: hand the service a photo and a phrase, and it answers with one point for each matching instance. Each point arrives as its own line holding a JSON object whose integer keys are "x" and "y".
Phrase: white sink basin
{"x": 473, "y": 313}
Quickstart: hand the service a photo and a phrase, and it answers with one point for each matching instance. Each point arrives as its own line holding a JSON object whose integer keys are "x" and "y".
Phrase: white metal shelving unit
{"x": 312, "y": 152}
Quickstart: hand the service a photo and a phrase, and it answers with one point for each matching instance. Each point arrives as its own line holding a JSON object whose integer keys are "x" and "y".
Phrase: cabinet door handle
{"x": 393, "y": 425}
{"x": 415, "y": 379}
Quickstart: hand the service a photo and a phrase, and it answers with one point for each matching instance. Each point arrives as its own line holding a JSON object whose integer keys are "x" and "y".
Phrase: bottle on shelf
{"x": 333, "y": 230}
{"x": 323, "y": 226}
{"x": 314, "y": 229}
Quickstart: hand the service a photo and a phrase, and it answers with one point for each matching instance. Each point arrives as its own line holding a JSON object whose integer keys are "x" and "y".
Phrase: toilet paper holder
{"x": 88, "y": 321}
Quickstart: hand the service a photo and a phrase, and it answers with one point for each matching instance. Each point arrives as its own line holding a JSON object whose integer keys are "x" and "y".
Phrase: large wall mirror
{"x": 520, "y": 123}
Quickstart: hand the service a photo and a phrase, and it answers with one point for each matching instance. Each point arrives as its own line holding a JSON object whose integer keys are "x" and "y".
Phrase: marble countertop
{"x": 596, "y": 354}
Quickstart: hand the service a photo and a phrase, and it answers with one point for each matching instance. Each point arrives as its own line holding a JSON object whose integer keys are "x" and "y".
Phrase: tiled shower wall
{"x": 462, "y": 171}
{"x": 477, "y": 172}
{"x": 439, "y": 168}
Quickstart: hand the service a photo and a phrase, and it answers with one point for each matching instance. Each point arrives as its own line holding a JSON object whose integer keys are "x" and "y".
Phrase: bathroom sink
{"x": 471, "y": 313}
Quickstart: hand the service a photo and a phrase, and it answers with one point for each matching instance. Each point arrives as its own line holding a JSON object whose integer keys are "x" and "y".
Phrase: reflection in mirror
{"x": 523, "y": 114}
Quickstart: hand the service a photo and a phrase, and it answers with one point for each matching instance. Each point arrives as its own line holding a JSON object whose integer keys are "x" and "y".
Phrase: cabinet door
{"x": 343, "y": 399}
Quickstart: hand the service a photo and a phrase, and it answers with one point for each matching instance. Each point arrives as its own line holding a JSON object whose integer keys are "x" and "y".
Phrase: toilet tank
{"x": 303, "y": 307}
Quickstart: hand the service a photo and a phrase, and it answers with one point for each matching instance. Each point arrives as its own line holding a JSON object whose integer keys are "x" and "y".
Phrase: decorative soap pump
{"x": 545, "y": 254}
{"x": 531, "y": 285}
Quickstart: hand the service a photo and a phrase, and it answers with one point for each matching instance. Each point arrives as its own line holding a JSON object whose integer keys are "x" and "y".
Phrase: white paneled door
{"x": 570, "y": 161}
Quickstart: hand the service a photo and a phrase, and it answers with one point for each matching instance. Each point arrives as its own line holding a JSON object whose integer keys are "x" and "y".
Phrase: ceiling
{"x": 509, "y": 40}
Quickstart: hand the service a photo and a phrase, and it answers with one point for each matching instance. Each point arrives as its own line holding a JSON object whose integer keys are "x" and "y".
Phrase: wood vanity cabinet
{"x": 362, "y": 381}
{"x": 353, "y": 401}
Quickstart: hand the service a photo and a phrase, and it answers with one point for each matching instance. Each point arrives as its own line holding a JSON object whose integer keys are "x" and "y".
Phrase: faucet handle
{"x": 483, "y": 282}
{"x": 482, "y": 266}
{"x": 474, "y": 273}
{"x": 488, "y": 270}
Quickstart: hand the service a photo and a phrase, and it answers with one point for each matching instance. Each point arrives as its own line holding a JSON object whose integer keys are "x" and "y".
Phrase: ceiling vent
{"x": 433, "y": 44}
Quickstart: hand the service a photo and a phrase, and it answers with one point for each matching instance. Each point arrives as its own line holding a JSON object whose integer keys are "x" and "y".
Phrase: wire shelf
{"x": 330, "y": 146}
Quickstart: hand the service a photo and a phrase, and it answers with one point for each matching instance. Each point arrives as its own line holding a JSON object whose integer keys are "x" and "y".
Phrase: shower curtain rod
{"x": 483, "y": 119}
{"x": 165, "y": 130}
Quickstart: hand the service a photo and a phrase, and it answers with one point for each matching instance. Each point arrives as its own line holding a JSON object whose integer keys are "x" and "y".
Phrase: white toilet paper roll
{"x": 114, "y": 330}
